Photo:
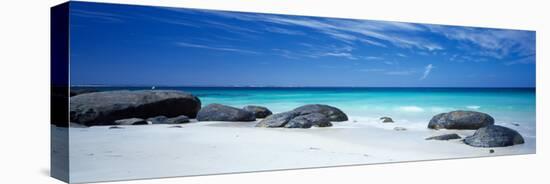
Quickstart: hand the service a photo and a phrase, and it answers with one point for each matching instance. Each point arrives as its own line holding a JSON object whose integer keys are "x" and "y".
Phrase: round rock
{"x": 494, "y": 136}
{"x": 333, "y": 113}
{"x": 461, "y": 120}
{"x": 219, "y": 112}
{"x": 309, "y": 120}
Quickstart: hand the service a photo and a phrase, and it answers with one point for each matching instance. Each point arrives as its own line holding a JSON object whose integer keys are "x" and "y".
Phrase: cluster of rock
{"x": 306, "y": 116}
{"x": 90, "y": 107}
{"x": 115, "y": 107}
{"x": 486, "y": 135}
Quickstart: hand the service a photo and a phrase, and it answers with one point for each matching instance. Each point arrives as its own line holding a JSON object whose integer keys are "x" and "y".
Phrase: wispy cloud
{"x": 347, "y": 30}
{"x": 427, "y": 71}
{"x": 495, "y": 43}
{"x": 340, "y": 54}
{"x": 226, "y": 49}
{"x": 283, "y": 31}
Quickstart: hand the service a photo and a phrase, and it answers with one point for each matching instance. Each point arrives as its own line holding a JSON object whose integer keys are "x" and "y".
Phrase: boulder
{"x": 103, "y": 108}
{"x": 309, "y": 120}
{"x": 131, "y": 121}
{"x": 386, "y": 119}
{"x": 461, "y": 120}
{"x": 277, "y": 120}
{"x": 494, "y": 136}
{"x": 333, "y": 113}
{"x": 444, "y": 137}
{"x": 259, "y": 111}
{"x": 218, "y": 112}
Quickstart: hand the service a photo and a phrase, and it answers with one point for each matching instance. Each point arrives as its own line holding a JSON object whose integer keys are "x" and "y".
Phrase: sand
{"x": 199, "y": 148}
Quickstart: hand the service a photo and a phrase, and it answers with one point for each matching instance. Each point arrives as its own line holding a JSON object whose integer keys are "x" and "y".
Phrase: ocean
{"x": 411, "y": 106}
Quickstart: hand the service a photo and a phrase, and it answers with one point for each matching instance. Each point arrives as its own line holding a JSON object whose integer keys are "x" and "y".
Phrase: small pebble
{"x": 115, "y": 127}
{"x": 491, "y": 151}
{"x": 175, "y": 126}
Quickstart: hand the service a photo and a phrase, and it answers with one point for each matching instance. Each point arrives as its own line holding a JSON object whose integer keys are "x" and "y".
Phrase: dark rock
{"x": 131, "y": 121}
{"x": 157, "y": 120}
{"x": 386, "y": 119}
{"x": 309, "y": 120}
{"x": 218, "y": 112}
{"x": 76, "y": 125}
{"x": 74, "y": 92}
{"x": 461, "y": 120}
{"x": 277, "y": 120}
{"x": 115, "y": 127}
{"x": 399, "y": 129}
{"x": 491, "y": 151}
{"x": 333, "y": 113}
{"x": 178, "y": 120}
{"x": 175, "y": 126}
{"x": 494, "y": 136}
{"x": 444, "y": 137}
{"x": 259, "y": 111}
{"x": 103, "y": 108}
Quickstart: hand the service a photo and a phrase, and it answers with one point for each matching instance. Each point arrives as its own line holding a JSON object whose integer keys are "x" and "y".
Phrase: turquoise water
{"x": 411, "y": 105}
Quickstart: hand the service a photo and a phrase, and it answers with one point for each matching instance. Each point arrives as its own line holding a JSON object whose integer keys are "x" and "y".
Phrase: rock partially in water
{"x": 219, "y": 112}
{"x": 333, "y": 113}
{"x": 444, "y": 137}
{"x": 494, "y": 136}
{"x": 309, "y": 120}
{"x": 103, "y": 108}
{"x": 259, "y": 111}
{"x": 461, "y": 120}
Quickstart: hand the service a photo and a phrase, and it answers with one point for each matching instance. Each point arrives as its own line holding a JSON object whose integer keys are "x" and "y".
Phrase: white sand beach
{"x": 199, "y": 148}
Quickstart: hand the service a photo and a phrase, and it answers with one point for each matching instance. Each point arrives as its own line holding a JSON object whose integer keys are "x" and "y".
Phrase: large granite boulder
{"x": 461, "y": 120}
{"x": 277, "y": 120}
{"x": 444, "y": 137}
{"x": 103, "y": 108}
{"x": 309, "y": 120}
{"x": 494, "y": 136}
{"x": 333, "y": 113}
{"x": 259, "y": 111}
{"x": 218, "y": 112}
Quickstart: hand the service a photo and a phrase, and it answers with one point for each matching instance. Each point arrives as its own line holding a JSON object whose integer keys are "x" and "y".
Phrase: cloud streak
{"x": 225, "y": 49}
{"x": 427, "y": 71}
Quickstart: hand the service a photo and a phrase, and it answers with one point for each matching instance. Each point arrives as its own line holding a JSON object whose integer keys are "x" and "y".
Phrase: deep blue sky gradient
{"x": 139, "y": 45}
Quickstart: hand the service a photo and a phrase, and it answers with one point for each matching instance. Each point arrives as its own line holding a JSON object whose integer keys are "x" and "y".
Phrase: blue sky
{"x": 140, "y": 45}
